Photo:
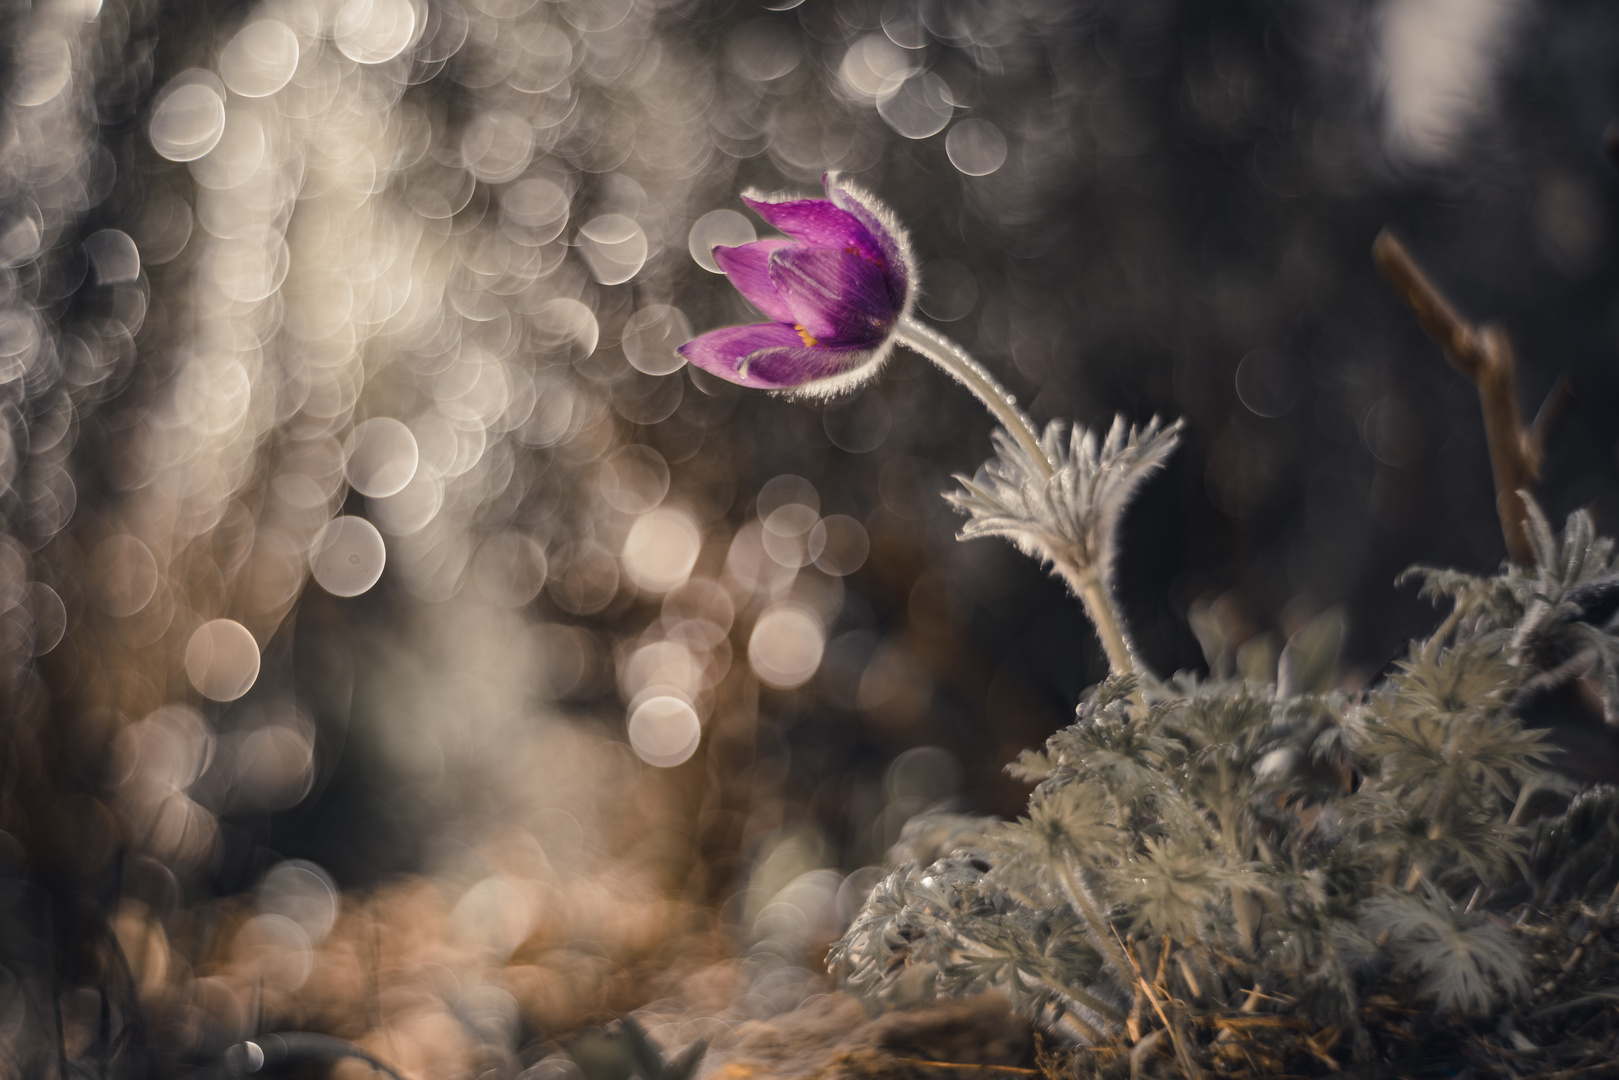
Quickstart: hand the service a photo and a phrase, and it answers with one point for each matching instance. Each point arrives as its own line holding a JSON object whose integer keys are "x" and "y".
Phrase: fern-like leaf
{"x": 1464, "y": 961}
{"x": 1070, "y": 517}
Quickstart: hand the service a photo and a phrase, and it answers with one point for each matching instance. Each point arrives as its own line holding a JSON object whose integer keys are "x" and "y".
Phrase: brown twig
{"x": 1018, "y": 1069}
{"x": 1599, "y": 925}
{"x": 1245, "y": 1023}
{"x": 1484, "y": 355}
{"x": 1323, "y": 1041}
{"x": 1187, "y": 1064}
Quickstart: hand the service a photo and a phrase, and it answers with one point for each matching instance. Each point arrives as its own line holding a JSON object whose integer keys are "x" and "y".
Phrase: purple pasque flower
{"x": 835, "y": 290}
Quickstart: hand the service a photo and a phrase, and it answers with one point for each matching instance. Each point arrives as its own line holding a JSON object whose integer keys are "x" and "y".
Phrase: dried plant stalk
{"x": 1484, "y": 355}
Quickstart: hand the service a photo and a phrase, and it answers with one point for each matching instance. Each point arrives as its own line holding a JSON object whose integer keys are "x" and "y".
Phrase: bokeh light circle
{"x": 275, "y": 765}
{"x": 840, "y": 543}
{"x": 718, "y": 228}
{"x": 125, "y": 573}
{"x": 664, "y": 731}
{"x": 651, "y": 336}
{"x": 260, "y": 59}
{"x": 113, "y": 256}
{"x": 303, "y": 892}
{"x": 786, "y": 646}
{"x": 614, "y": 247}
{"x": 874, "y": 67}
{"x": 348, "y": 556}
{"x": 188, "y": 121}
{"x": 222, "y": 660}
{"x": 534, "y": 211}
{"x": 919, "y": 107}
{"x": 380, "y": 457}
{"x": 1267, "y": 382}
{"x": 49, "y": 615}
{"x": 975, "y": 147}
{"x": 661, "y": 549}
{"x": 509, "y": 569}
{"x": 374, "y": 31}
{"x": 43, "y": 68}
{"x": 409, "y": 509}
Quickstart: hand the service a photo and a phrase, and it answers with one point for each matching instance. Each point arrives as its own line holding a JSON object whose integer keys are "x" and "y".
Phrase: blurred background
{"x": 398, "y": 643}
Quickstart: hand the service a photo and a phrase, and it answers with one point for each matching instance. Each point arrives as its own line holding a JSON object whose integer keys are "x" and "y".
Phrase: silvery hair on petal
{"x": 885, "y": 217}
{"x": 845, "y": 382}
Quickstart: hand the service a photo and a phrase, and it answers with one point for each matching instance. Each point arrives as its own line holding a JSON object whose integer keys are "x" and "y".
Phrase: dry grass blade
{"x": 1015, "y": 1069}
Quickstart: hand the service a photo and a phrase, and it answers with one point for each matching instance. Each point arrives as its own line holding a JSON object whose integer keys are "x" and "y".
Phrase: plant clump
{"x": 1221, "y": 877}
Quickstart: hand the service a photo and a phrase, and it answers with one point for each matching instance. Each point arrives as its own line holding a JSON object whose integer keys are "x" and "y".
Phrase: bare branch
{"x": 1484, "y": 355}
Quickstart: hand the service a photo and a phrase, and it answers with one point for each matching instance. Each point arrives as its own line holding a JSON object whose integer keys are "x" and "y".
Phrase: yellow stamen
{"x": 805, "y": 335}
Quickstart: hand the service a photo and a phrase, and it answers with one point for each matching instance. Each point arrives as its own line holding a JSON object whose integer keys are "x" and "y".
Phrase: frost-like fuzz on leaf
{"x": 1334, "y": 849}
{"x": 1561, "y": 609}
{"x": 1571, "y": 580}
{"x": 1069, "y": 519}
{"x": 1466, "y": 962}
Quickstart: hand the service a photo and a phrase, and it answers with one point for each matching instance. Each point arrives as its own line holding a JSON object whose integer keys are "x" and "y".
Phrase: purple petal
{"x": 784, "y": 368}
{"x": 726, "y": 352}
{"x": 875, "y": 218}
{"x": 748, "y": 267}
{"x": 818, "y": 222}
{"x": 840, "y": 299}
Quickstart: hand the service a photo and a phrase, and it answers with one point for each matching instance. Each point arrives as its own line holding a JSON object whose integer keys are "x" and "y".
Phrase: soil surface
{"x": 832, "y": 1038}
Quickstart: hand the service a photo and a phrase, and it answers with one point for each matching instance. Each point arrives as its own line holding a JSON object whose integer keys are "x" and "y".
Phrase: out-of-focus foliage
{"x": 628, "y": 1052}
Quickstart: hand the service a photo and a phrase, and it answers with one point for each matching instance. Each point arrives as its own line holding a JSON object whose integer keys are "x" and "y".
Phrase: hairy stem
{"x": 1101, "y": 930}
{"x": 1104, "y": 615}
{"x": 971, "y": 374}
{"x": 1072, "y": 997}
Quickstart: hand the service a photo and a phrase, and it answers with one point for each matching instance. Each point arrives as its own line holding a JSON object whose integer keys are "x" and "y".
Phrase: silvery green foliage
{"x": 1326, "y": 847}
{"x": 1559, "y": 610}
{"x": 1463, "y": 958}
{"x": 1069, "y": 519}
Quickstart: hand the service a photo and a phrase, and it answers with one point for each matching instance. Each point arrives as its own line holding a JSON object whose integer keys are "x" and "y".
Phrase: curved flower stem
{"x": 971, "y": 374}
{"x": 1088, "y": 586}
